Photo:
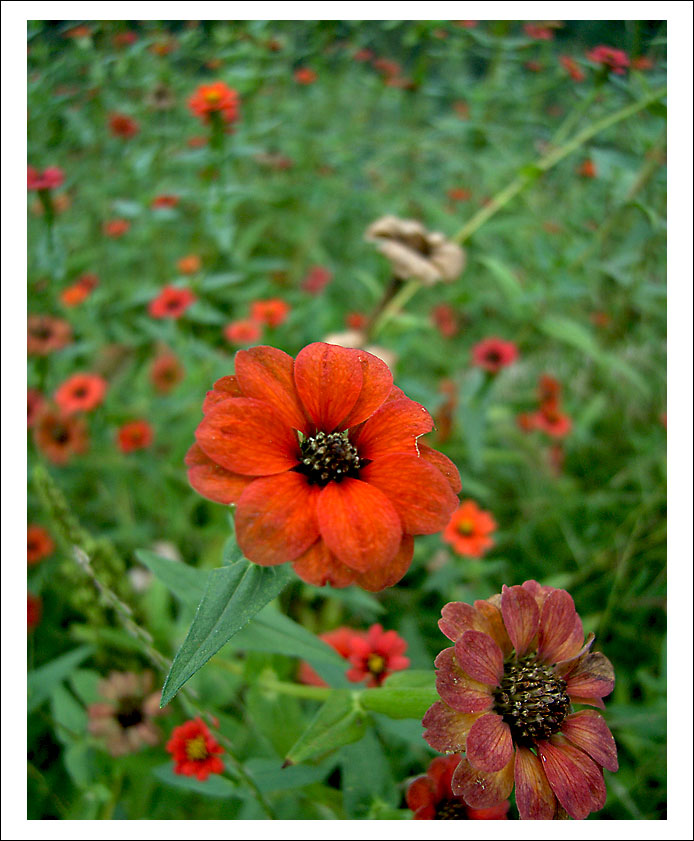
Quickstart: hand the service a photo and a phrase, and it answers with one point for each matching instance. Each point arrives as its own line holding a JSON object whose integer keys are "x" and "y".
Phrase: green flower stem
{"x": 266, "y": 681}
{"x": 574, "y": 116}
{"x": 393, "y": 306}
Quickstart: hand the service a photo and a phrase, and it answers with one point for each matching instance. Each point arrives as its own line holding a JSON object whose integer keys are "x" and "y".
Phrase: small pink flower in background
{"x": 493, "y": 354}
{"x": 49, "y": 179}
{"x": 316, "y": 280}
{"x": 572, "y": 67}
{"x": 123, "y": 721}
{"x": 611, "y": 58}
{"x": 243, "y": 332}
{"x": 116, "y": 228}
{"x": 171, "y": 302}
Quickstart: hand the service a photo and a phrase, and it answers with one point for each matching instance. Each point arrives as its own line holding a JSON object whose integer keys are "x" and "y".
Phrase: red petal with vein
{"x": 456, "y": 618}
{"x": 593, "y": 676}
{"x": 592, "y": 702}
{"x": 318, "y": 566}
{"x": 572, "y": 646}
{"x": 480, "y": 657}
{"x": 394, "y": 428}
{"x": 482, "y": 789}
{"x": 575, "y": 779}
{"x": 376, "y": 580}
{"x": 457, "y": 689}
{"x": 587, "y": 730}
{"x": 446, "y": 729}
{"x": 419, "y": 794}
{"x": 421, "y": 495}
{"x": 244, "y": 436}
{"x": 534, "y": 796}
{"x": 489, "y": 743}
{"x": 329, "y": 380}
{"x": 267, "y": 374}
{"x": 213, "y": 481}
{"x": 521, "y": 617}
{"x": 557, "y": 624}
{"x": 276, "y": 518}
{"x": 443, "y": 464}
{"x": 377, "y": 383}
{"x": 492, "y": 623}
{"x": 358, "y": 524}
{"x": 223, "y": 389}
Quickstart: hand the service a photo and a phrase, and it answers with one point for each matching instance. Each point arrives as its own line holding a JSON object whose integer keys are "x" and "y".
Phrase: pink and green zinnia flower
{"x": 508, "y": 685}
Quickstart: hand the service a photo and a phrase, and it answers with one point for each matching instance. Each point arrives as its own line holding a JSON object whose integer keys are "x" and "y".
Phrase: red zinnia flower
{"x": 34, "y": 609}
{"x": 316, "y": 280}
{"x": 552, "y": 421}
{"x": 136, "y": 435}
{"x": 341, "y": 641}
{"x": 35, "y": 404}
{"x": 587, "y": 169}
{"x": 81, "y": 393}
{"x": 46, "y": 334}
{"x": 305, "y": 76}
{"x": 376, "y": 655}
{"x": 79, "y": 291}
{"x": 121, "y": 125}
{"x": 190, "y": 264}
{"x": 116, "y": 228}
{"x": 539, "y": 32}
{"x": 60, "y": 436}
{"x": 469, "y": 530}
{"x": 494, "y": 354}
{"x": 322, "y": 458}
{"x": 166, "y": 372}
{"x": 549, "y": 388}
{"x": 445, "y": 320}
{"x": 387, "y": 67}
{"x": 194, "y": 750}
{"x": 356, "y": 320}
{"x": 217, "y": 98}
{"x": 642, "y": 63}
{"x": 572, "y": 68}
{"x": 431, "y": 799}
{"x": 518, "y": 664}
{"x": 272, "y": 312}
{"x": 124, "y": 39}
{"x": 363, "y": 55}
{"x": 164, "y": 201}
{"x": 49, "y": 179}
{"x": 612, "y": 59}
{"x": 39, "y": 544}
{"x": 242, "y": 332}
{"x": 171, "y": 302}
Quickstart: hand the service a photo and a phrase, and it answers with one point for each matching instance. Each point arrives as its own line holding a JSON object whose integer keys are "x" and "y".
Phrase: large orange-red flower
{"x": 322, "y": 458}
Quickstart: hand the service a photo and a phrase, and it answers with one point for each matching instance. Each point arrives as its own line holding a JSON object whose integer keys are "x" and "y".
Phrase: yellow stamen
{"x": 196, "y": 748}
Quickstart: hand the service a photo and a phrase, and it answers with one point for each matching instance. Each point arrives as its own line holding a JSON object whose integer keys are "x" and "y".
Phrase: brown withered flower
{"x": 161, "y": 97}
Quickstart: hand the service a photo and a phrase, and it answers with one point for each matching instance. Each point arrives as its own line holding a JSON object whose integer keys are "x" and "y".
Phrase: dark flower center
{"x": 80, "y": 391}
{"x": 450, "y": 810}
{"x": 60, "y": 434}
{"x": 129, "y": 713}
{"x": 493, "y": 356}
{"x": 328, "y": 458}
{"x": 532, "y": 699}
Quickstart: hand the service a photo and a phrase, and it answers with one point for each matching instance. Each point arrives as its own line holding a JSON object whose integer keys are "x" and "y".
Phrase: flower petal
{"x": 446, "y": 729}
{"x": 482, "y": 789}
{"x": 492, "y": 623}
{"x": 419, "y": 794}
{"x": 592, "y": 677}
{"x": 521, "y": 617}
{"x": 419, "y": 492}
{"x": 456, "y": 618}
{"x": 442, "y": 463}
{"x": 557, "y": 624}
{"x": 457, "y": 689}
{"x": 267, "y": 374}
{"x": 575, "y": 779}
{"x": 377, "y": 383}
{"x": 318, "y": 566}
{"x": 329, "y": 380}
{"x": 213, "y": 481}
{"x": 587, "y": 730}
{"x": 244, "y": 436}
{"x": 223, "y": 389}
{"x": 276, "y": 518}
{"x": 534, "y": 796}
{"x": 378, "y": 579}
{"x": 394, "y": 428}
{"x": 489, "y": 742}
{"x": 358, "y": 524}
{"x": 480, "y": 657}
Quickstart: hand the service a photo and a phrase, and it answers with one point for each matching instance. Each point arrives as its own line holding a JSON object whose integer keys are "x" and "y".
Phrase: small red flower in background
{"x": 462, "y": 109}
{"x": 194, "y": 750}
{"x": 356, "y": 320}
{"x": 166, "y": 372}
{"x": 493, "y": 354}
{"x": 642, "y": 63}
{"x": 136, "y": 435}
{"x": 305, "y": 76}
{"x": 322, "y": 457}
{"x": 601, "y": 319}
{"x": 81, "y": 393}
{"x": 469, "y": 530}
{"x": 190, "y": 264}
{"x": 46, "y": 334}
{"x": 60, "y": 436}
{"x": 534, "y": 66}
{"x": 445, "y": 320}
{"x": 431, "y": 799}
{"x": 363, "y": 55}
{"x": 49, "y": 179}
{"x": 39, "y": 544}
{"x": 272, "y": 312}
{"x": 572, "y": 67}
{"x": 34, "y": 610}
{"x": 466, "y": 24}
{"x": 316, "y": 280}
{"x": 124, "y": 39}
{"x": 165, "y": 200}
{"x": 171, "y": 302}
{"x": 79, "y": 291}
{"x": 550, "y": 420}
{"x": 115, "y": 228}
{"x": 388, "y": 68}
{"x": 376, "y": 655}
{"x": 548, "y": 389}
{"x": 163, "y": 48}
{"x": 197, "y": 142}
{"x": 339, "y": 639}
{"x": 539, "y": 32}
{"x": 459, "y": 194}
{"x": 35, "y": 404}
{"x": 523, "y": 644}
{"x": 121, "y": 125}
{"x": 587, "y": 169}
{"x": 243, "y": 332}
{"x": 216, "y": 98}
{"x": 612, "y": 59}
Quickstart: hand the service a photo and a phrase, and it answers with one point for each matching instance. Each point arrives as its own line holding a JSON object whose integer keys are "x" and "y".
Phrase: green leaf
{"x": 270, "y": 776}
{"x": 338, "y": 722}
{"x": 510, "y": 287}
{"x": 42, "y": 681}
{"x": 366, "y": 776}
{"x": 78, "y": 759}
{"x": 185, "y": 582}
{"x": 234, "y": 595}
{"x": 403, "y": 695}
{"x": 213, "y": 786}
{"x": 69, "y": 716}
{"x": 411, "y": 679}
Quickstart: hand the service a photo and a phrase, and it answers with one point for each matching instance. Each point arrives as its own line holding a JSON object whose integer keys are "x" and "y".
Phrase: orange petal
{"x": 442, "y": 463}
{"x": 329, "y": 380}
{"x": 377, "y": 383}
{"x": 378, "y": 579}
{"x": 213, "y": 481}
{"x": 224, "y": 388}
{"x": 318, "y": 566}
{"x": 394, "y": 428}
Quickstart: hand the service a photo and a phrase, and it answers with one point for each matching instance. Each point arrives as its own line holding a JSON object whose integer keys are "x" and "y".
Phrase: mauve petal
{"x": 587, "y": 730}
{"x": 456, "y": 618}
{"x": 377, "y": 383}
{"x": 419, "y": 794}
{"x": 359, "y": 524}
{"x": 482, "y": 789}
{"x": 534, "y": 796}
{"x": 421, "y": 495}
{"x": 575, "y": 779}
{"x": 592, "y": 702}
{"x": 377, "y": 579}
{"x": 489, "y": 743}
{"x": 318, "y": 566}
{"x": 592, "y": 676}
{"x": 492, "y": 623}
{"x": 223, "y": 389}
{"x": 446, "y": 729}
{"x": 213, "y": 481}
{"x": 521, "y": 617}
{"x": 244, "y": 436}
{"x": 571, "y": 647}
{"x": 443, "y": 464}
{"x": 557, "y": 624}
{"x": 480, "y": 657}
{"x": 457, "y": 689}
{"x": 267, "y": 374}
{"x": 276, "y": 518}
{"x": 394, "y": 428}
{"x": 563, "y": 667}
{"x": 328, "y": 379}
